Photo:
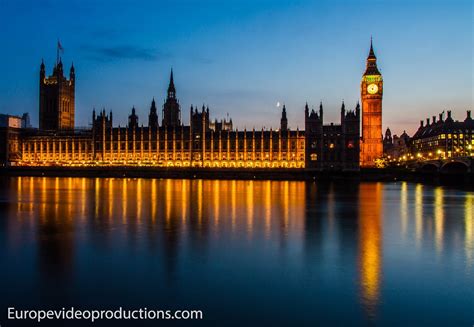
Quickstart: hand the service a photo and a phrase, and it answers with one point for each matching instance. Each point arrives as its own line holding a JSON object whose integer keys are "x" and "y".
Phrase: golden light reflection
{"x": 286, "y": 207}
{"x": 70, "y": 197}
{"x": 44, "y": 193}
{"x": 404, "y": 208}
{"x": 83, "y": 200}
{"x": 56, "y": 197}
{"x": 110, "y": 203}
{"x": 97, "y": 197}
{"x": 216, "y": 199}
{"x": 469, "y": 230}
{"x": 260, "y": 210}
{"x": 418, "y": 214}
{"x": 153, "y": 200}
{"x": 139, "y": 201}
{"x": 250, "y": 206}
{"x": 234, "y": 203}
{"x": 439, "y": 218}
{"x": 19, "y": 193}
{"x": 370, "y": 243}
{"x": 124, "y": 200}
{"x": 32, "y": 196}
{"x": 168, "y": 202}
{"x": 268, "y": 207}
{"x": 185, "y": 199}
{"x": 199, "y": 199}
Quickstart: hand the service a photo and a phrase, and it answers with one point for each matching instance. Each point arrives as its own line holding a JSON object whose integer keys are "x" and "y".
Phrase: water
{"x": 243, "y": 252}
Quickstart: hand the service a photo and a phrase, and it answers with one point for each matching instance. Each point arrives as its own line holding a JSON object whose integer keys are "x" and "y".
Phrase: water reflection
{"x": 418, "y": 214}
{"x": 469, "y": 230}
{"x": 314, "y": 236}
{"x": 439, "y": 218}
{"x": 370, "y": 242}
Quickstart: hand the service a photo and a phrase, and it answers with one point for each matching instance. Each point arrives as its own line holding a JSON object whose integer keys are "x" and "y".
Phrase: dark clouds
{"x": 123, "y": 52}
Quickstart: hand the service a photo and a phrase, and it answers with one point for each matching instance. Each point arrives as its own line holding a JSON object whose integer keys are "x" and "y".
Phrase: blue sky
{"x": 242, "y": 57}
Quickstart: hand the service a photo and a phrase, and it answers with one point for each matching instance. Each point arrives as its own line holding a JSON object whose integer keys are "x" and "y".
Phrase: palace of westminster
{"x": 202, "y": 143}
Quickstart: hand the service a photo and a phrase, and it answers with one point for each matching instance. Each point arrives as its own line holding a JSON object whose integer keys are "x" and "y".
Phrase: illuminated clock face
{"x": 372, "y": 88}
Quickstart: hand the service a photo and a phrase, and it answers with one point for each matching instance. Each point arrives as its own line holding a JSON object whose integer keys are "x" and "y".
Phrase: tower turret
{"x": 57, "y": 98}
{"x": 72, "y": 73}
{"x": 171, "y": 108}
{"x": 153, "y": 116}
{"x": 283, "y": 120}
{"x": 133, "y": 119}
{"x": 171, "y": 88}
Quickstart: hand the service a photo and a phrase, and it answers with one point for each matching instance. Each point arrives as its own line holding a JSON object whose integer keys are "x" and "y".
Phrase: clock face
{"x": 372, "y": 88}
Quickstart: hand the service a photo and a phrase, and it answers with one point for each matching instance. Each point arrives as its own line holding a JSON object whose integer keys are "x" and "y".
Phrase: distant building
{"x": 397, "y": 146}
{"x": 10, "y": 121}
{"x": 222, "y": 125}
{"x": 10, "y": 127}
{"x": 444, "y": 138}
{"x": 387, "y": 140}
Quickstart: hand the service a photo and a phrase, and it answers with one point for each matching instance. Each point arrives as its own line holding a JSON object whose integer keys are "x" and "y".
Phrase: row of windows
{"x": 177, "y": 156}
{"x": 197, "y": 146}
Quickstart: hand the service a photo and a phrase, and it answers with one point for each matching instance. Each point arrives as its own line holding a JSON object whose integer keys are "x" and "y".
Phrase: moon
{"x": 278, "y": 104}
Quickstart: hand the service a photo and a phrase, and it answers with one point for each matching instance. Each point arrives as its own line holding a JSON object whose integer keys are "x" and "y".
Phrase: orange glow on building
{"x": 371, "y": 95}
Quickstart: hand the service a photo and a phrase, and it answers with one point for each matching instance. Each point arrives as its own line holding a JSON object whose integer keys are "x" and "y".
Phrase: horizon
{"x": 126, "y": 67}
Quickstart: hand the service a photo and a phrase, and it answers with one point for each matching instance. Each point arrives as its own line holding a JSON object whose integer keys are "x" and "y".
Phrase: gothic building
{"x": 371, "y": 95}
{"x": 332, "y": 147}
{"x": 204, "y": 142}
{"x": 56, "y": 107}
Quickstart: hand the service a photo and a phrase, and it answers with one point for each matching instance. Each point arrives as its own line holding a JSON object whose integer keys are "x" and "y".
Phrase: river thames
{"x": 243, "y": 252}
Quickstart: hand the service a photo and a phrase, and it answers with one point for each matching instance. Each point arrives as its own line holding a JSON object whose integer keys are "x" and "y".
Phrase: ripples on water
{"x": 242, "y": 251}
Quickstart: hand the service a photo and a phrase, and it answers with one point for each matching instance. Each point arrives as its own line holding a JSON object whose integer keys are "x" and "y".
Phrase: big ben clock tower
{"x": 371, "y": 89}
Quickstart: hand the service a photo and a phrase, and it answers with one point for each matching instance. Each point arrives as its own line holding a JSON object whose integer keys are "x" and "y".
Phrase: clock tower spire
{"x": 371, "y": 95}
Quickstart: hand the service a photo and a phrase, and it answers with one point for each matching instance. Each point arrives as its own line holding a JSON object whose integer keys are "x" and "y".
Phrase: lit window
{"x": 314, "y": 157}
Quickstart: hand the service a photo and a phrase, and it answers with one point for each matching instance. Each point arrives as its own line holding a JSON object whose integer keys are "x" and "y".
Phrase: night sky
{"x": 242, "y": 57}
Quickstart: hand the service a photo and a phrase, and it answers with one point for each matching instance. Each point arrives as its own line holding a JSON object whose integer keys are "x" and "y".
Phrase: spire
{"x": 42, "y": 64}
{"x": 171, "y": 88}
{"x": 371, "y": 51}
{"x": 72, "y": 73}
{"x": 371, "y": 64}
